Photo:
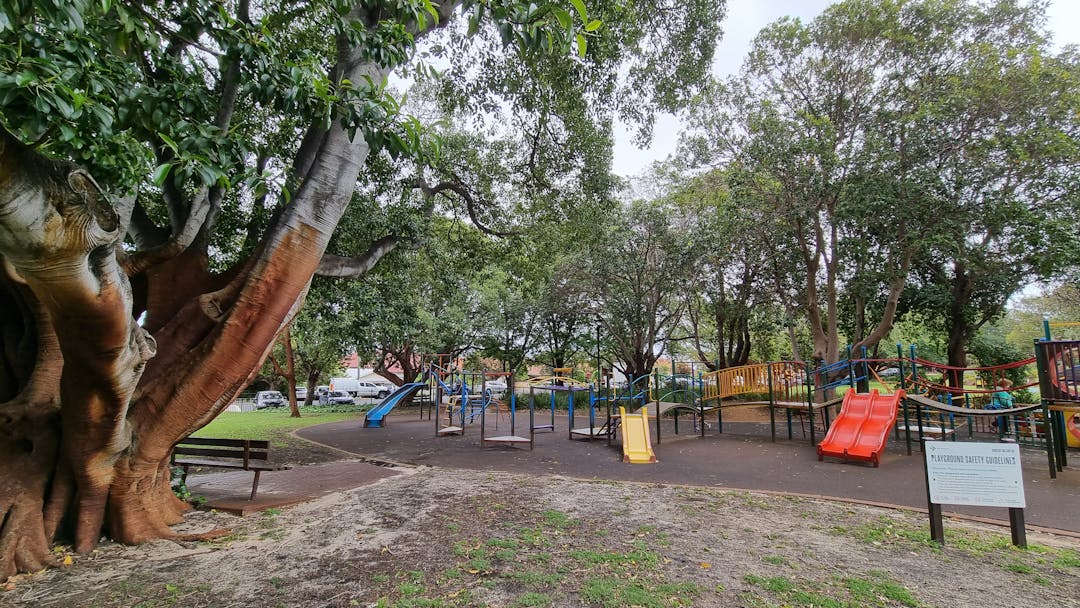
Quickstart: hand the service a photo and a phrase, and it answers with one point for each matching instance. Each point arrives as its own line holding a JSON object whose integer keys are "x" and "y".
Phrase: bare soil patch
{"x": 440, "y": 537}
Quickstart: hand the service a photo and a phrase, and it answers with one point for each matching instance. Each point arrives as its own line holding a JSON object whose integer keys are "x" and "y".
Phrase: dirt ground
{"x": 441, "y": 537}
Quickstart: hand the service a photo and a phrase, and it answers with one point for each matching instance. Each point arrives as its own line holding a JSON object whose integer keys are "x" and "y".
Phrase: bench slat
{"x": 194, "y": 462}
{"x": 220, "y": 453}
{"x": 260, "y": 444}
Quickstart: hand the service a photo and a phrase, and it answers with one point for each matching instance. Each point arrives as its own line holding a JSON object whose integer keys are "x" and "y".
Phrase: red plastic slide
{"x": 863, "y": 426}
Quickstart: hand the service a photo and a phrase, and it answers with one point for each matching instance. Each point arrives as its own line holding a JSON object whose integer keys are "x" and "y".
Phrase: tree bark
{"x": 96, "y": 449}
{"x": 60, "y": 238}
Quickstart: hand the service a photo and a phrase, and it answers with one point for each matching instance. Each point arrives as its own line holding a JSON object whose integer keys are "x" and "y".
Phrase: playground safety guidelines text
{"x": 972, "y": 459}
{"x": 978, "y": 474}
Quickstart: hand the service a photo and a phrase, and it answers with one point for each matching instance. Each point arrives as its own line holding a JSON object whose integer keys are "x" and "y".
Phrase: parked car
{"x": 301, "y": 393}
{"x": 361, "y": 388}
{"x": 372, "y": 389}
{"x": 265, "y": 399}
{"x": 337, "y": 398}
{"x": 888, "y": 372}
{"x": 497, "y": 387}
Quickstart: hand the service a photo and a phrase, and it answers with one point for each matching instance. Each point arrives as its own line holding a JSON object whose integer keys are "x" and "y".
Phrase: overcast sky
{"x": 745, "y": 18}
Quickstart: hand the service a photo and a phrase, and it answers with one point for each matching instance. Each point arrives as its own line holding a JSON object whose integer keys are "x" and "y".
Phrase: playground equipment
{"x": 637, "y": 447}
{"x": 945, "y": 398}
{"x": 1059, "y": 386}
{"x": 467, "y": 398}
{"x": 560, "y": 382}
{"x": 510, "y": 439}
{"x": 941, "y": 400}
{"x": 780, "y": 385}
{"x": 375, "y": 417}
{"x": 863, "y": 426}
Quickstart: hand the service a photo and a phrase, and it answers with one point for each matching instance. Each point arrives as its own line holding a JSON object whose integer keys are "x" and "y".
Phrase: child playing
{"x": 1002, "y": 400}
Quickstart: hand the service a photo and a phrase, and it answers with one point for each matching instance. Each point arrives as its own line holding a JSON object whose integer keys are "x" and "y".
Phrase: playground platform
{"x": 741, "y": 458}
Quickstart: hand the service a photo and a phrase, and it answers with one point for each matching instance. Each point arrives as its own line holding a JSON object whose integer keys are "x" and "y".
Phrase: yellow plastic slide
{"x": 636, "y": 444}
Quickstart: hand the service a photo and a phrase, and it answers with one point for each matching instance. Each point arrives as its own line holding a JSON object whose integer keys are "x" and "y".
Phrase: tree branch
{"x": 458, "y": 187}
{"x": 356, "y": 267}
{"x": 140, "y": 261}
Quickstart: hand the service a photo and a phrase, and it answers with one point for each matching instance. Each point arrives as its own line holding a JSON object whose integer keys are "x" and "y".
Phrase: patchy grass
{"x": 611, "y": 592}
{"x": 776, "y": 560}
{"x": 546, "y": 564}
{"x": 874, "y": 590}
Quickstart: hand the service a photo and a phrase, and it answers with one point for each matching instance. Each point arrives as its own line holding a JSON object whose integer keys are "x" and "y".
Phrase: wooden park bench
{"x": 246, "y": 454}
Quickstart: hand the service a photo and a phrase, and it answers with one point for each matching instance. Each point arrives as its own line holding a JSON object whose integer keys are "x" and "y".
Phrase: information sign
{"x": 979, "y": 474}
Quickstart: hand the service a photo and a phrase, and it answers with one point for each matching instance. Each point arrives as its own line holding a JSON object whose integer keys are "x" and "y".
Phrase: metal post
{"x": 569, "y": 411}
{"x": 918, "y": 421}
{"x": 513, "y": 409}
{"x": 552, "y": 410}
{"x": 464, "y": 398}
{"x": 436, "y": 394}
{"x": 915, "y": 372}
{"x": 772, "y": 410}
{"x": 656, "y": 382}
{"x": 864, "y": 381}
{"x": 1042, "y": 365}
{"x": 900, "y": 365}
{"x": 483, "y": 417}
{"x": 907, "y": 427}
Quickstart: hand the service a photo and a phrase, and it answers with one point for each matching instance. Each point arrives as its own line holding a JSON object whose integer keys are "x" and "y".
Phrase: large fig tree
{"x": 171, "y": 174}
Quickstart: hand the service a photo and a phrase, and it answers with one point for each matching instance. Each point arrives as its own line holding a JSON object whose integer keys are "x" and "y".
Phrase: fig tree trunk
{"x": 88, "y": 414}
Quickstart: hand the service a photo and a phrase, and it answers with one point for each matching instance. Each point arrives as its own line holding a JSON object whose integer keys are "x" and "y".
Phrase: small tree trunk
{"x": 290, "y": 373}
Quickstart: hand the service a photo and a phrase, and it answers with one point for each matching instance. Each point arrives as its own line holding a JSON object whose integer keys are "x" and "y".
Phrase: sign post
{"x": 977, "y": 474}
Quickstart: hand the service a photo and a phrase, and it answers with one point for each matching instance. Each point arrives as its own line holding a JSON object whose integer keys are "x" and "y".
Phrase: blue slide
{"x": 374, "y": 417}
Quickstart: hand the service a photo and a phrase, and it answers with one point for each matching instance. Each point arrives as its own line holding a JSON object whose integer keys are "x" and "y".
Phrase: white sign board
{"x": 980, "y": 474}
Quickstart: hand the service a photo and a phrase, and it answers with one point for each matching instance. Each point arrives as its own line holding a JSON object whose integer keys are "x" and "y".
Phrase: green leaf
{"x": 593, "y": 25}
{"x": 74, "y": 18}
{"x": 169, "y": 142}
{"x": 580, "y": 6}
{"x": 62, "y": 105}
{"x": 161, "y": 173}
{"x": 430, "y": 8}
{"x": 581, "y": 45}
{"x": 565, "y": 20}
